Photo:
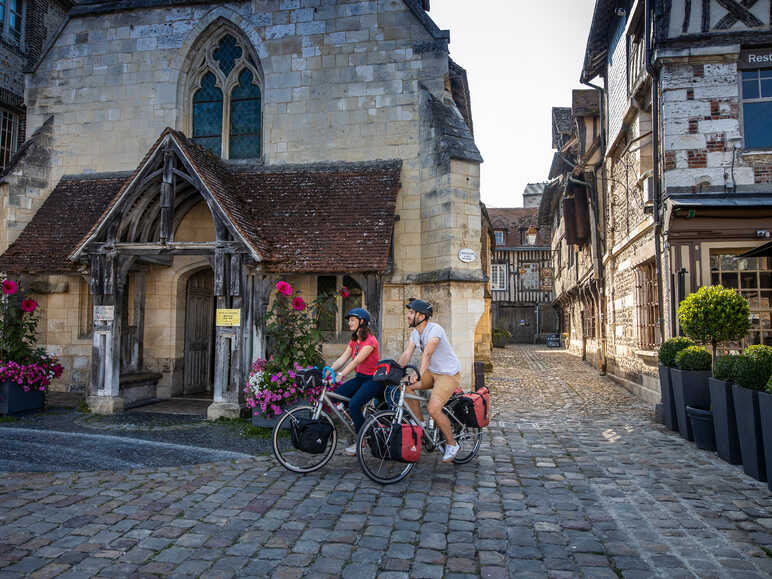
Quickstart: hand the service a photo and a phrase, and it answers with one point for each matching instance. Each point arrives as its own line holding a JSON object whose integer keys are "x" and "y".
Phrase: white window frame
{"x": 499, "y": 234}
{"x": 499, "y": 276}
{"x": 744, "y": 101}
{"x": 5, "y": 23}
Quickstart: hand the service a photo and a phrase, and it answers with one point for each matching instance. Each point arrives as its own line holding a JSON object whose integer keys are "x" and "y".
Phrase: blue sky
{"x": 522, "y": 58}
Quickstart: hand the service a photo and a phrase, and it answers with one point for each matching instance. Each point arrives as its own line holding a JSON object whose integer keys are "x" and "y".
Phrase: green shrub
{"x": 671, "y": 347}
{"x": 769, "y": 385}
{"x": 501, "y": 334}
{"x": 714, "y": 314}
{"x": 724, "y": 368}
{"x": 693, "y": 358}
{"x": 751, "y": 372}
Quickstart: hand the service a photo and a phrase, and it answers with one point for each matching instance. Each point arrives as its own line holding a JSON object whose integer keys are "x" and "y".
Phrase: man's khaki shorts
{"x": 443, "y": 386}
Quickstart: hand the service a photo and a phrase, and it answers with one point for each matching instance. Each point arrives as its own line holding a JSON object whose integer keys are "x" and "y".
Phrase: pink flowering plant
{"x": 21, "y": 361}
{"x": 294, "y": 343}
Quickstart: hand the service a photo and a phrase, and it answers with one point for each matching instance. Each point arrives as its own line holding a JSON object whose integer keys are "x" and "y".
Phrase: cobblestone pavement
{"x": 573, "y": 480}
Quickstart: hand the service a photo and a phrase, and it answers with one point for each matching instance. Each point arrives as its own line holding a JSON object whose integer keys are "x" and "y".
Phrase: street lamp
{"x": 531, "y": 235}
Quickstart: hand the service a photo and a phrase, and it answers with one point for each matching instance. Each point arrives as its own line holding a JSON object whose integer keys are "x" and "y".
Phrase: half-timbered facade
{"x": 278, "y": 118}
{"x": 682, "y": 181}
{"x": 521, "y": 271}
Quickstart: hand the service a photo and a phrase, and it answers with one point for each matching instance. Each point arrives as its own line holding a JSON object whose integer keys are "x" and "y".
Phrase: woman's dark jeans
{"x": 361, "y": 389}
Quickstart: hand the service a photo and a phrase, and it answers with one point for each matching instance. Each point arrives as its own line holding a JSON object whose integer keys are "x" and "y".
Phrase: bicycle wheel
{"x": 381, "y": 470}
{"x": 290, "y": 457}
{"x": 469, "y": 439}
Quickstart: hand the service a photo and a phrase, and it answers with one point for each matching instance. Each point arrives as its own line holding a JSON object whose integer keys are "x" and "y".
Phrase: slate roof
{"x": 597, "y": 41}
{"x": 585, "y": 103}
{"x": 455, "y": 137}
{"x": 561, "y": 124}
{"x": 68, "y": 213}
{"x": 459, "y": 87}
{"x": 534, "y": 188}
{"x": 335, "y": 217}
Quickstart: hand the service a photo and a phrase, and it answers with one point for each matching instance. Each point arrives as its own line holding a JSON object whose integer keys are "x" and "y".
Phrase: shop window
{"x": 647, "y": 305}
{"x": 757, "y": 107}
{"x": 499, "y": 277}
{"x": 752, "y": 277}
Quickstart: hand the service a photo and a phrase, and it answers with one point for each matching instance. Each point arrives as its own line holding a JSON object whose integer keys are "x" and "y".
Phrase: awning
{"x": 764, "y": 250}
{"x": 722, "y": 201}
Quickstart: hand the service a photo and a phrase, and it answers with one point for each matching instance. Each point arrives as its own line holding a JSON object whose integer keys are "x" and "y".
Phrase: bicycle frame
{"x": 329, "y": 398}
{"x": 402, "y": 407}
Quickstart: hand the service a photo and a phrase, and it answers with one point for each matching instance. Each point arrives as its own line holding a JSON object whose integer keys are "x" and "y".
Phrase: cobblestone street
{"x": 574, "y": 480}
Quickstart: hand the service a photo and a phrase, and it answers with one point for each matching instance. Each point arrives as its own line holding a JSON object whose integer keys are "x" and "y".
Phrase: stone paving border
{"x": 563, "y": 487}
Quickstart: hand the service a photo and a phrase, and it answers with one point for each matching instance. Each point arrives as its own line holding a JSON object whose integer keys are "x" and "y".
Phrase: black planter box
{"x": 668, "y": 403}
{"x": 690, "y": 388}
{"x": 14, "y": 399}
{"x": 765, "y": 414}
{"x": 702, "y": 427}
{"x": 746, "y": 409}
{"x": 724, "y": 422}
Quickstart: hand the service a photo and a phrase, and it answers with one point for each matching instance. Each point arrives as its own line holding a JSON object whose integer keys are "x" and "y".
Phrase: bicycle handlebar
{"x": 332, "y": 373}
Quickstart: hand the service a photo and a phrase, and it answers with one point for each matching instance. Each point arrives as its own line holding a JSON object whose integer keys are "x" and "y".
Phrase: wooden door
{"x": 199, "y": 333}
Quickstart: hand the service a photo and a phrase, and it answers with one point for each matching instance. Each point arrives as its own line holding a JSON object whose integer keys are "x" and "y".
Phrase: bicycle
{"x": 382, "y": 469}
{"x": 294, "y": 459}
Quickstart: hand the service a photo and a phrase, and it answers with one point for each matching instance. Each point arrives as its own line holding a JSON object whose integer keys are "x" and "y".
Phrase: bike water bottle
{"x": 430, "y": 423}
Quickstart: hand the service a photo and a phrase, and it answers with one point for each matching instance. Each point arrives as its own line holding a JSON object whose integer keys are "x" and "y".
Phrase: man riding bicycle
{"x": 440, "y": 369}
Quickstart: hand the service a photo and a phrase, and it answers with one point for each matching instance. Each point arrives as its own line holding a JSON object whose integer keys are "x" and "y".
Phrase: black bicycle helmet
{"x": 360, "y": 313}
{"x": 421, "y": 307}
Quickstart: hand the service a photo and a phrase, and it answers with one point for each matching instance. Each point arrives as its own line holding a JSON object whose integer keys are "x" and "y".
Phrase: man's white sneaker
{"x": 450, "y": 453}
{"x": 350, "y": 450}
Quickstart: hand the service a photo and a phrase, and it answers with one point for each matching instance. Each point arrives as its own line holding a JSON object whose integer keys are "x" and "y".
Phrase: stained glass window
{"x": 207, "y": 115}
{"x": 228, "y": 51}
{"x": 245, "y": 118}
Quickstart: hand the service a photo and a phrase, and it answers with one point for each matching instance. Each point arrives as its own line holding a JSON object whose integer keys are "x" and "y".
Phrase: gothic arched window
{"x": 226, "y": 101}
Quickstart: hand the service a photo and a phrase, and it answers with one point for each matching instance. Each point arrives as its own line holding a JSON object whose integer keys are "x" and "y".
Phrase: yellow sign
{"x": 228, "y": 317}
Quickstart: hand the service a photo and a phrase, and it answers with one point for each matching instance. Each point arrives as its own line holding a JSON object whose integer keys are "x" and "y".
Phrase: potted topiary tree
{"x": 501, "y": 337}
{"x": 765, "y": 414}
{"x": 752, "y": 371}
{"x": 690, "y": 385}
{"x": 714, "y": 314}
{"x": 667, "y": 355}
{"x": 722, "y": 405}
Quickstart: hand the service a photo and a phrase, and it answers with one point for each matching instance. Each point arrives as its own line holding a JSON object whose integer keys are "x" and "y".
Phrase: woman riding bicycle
{"x": 361, "y": 355}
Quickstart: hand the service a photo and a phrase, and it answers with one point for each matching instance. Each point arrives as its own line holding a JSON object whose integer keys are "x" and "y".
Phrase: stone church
{"x": 182, "y": 156}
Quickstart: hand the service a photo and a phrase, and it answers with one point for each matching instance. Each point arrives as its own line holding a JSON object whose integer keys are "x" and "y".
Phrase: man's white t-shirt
{"x": 443, "y": 360}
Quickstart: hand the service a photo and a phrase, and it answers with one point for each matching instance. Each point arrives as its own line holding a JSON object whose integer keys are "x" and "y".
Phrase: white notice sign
{"x": 467, "y": 255}
{"x": 104, "y": 313}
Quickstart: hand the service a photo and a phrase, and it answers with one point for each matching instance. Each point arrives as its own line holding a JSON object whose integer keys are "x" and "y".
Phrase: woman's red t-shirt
{"x": 369, "y": 364}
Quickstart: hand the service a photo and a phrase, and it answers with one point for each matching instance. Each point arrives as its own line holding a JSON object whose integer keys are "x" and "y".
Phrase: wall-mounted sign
{"x": 104, "y": 313}
{"x": 756, "y": 58}
{"x": 467, "y": 255}
{"x": 529, "y": 276}
{"x": 228, "y": 317}
{"x": 546, "y": 278}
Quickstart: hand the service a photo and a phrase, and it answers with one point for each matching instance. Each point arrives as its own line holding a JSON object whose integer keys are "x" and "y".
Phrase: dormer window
{"x": 499, "y": 237}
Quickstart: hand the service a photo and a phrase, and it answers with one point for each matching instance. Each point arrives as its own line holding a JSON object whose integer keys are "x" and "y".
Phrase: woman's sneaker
{"x": 450, "y": 452}
{"x": 350, "y": 450}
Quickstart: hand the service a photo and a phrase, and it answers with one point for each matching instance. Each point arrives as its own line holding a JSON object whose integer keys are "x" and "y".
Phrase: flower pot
{"x": 765, "y": 414}
{"x": 690, "y": 388}
{"x": 14, "y": 399}
{"x": 668, "y": 403}
{"x": 702, "y": 427}
{"x": 746, "y": 409}
{"x": 724, "y": 422}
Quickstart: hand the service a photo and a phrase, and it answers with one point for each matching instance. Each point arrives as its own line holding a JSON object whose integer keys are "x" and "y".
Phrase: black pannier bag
{"x": 388, "y": 372}
{"x": 310, "y": 435}
{"x": 310, "y": 378}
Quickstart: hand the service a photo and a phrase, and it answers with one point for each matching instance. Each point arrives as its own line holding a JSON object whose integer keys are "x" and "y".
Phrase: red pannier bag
{"x": 399, "y": 442}
{"x": 475, "y": 408}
